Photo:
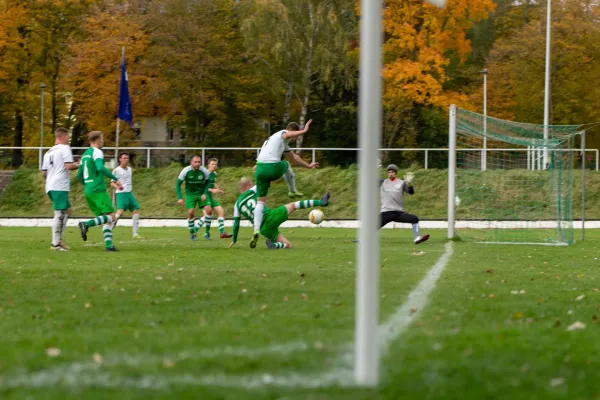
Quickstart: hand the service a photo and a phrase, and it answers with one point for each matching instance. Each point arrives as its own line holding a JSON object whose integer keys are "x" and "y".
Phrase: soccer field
{"x": 170, "y": 318}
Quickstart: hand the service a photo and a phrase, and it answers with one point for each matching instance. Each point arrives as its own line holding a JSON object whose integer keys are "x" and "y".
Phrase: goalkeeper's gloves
{"x": 408, "y": 177}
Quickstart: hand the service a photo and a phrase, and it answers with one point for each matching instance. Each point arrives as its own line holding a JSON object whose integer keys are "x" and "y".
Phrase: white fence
{"x": 149, "y": 152}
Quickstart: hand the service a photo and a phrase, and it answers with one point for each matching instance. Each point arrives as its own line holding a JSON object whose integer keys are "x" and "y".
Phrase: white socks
{"x": 258, "y": 215}
{"x": 415, "y": 229}
{"x": 290, "y": 178}
{"x": 136, "y": 223}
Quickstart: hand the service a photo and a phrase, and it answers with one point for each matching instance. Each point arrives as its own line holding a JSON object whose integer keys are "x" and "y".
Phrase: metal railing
{"x": 148, "y": 152}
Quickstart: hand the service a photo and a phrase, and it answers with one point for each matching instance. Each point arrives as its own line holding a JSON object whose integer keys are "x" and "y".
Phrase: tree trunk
{"x": 53, "y": 85}
{"x": 287, "y": 102}
{"x": 307, "y": 78}
{"x": 17, "y": 157}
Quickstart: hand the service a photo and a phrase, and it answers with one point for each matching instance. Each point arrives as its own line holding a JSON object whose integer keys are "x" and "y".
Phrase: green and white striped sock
{"x": 107, "y": 231}
{"x": 191, "y": 226}
{"x": 207, "y": 222}
{"x": 307, "y": 203}
{"x": 103, "y": 219}
{"x": 280, "y": 245}
{"x": 221, "y": 225}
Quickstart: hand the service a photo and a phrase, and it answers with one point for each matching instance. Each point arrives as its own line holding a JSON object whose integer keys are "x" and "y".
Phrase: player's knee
{"x": 414, "y": 219}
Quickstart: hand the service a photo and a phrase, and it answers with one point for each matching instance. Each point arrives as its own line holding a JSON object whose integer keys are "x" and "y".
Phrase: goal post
{"x": 516, "y": 199}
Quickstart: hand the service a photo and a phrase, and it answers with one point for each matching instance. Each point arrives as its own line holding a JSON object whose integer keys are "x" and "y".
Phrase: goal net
{"x": 519, "y": 190}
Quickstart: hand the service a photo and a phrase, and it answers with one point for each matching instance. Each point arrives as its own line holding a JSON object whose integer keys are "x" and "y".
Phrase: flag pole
{"x": 118, "y": 120}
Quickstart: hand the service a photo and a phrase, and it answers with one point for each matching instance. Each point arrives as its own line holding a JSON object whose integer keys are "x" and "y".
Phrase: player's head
{"x": 96, "y": 139}
{"x": 245, "y": 184}
{"x": 61, "y": 135}
{"x": 124, "y": 160}
{"x": 213, "y": 163}
{"x": 195, "y": 163}
{"x": 392, "y": 171}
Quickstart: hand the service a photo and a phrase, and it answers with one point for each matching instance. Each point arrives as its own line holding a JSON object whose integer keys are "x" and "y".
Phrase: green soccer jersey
{"x": 196, "y": 181}
{"x": 92, "y": 171}
{"x": 244, "y": 207}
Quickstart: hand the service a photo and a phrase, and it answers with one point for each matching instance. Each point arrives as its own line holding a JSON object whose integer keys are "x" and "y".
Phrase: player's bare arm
{"x": 297, "y": 160}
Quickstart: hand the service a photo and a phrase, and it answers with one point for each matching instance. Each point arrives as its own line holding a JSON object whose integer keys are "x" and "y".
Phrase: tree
{"x": 421, "y": 43}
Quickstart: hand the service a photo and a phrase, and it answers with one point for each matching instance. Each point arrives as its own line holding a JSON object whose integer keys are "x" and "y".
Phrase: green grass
{"x": 157, "y": 309}
{"x": 155, "y": 191}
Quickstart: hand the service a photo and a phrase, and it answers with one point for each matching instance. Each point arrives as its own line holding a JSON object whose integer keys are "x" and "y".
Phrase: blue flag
{"x": 124, "y": 101}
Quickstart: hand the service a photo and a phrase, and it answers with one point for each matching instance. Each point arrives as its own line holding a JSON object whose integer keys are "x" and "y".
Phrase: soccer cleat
{"x": 225, "y": 235}
{"x": 325, "y": 199}
{"x": 270, "y": 245}
{"x": 421, "y": 239}
{"x": 136, "y": 237}
{"x": 294, "y": 194}
{"x": 64, "y": 245}
{"x": 355, "y": 241}
{"x": 207, "y": 236}
{"x": 111, "y": 249}
{"x": 83, "y": 228}
{"x": 193, "y": 236}
{"x": 254, "y": 240}
{"x": 58, "y": 248}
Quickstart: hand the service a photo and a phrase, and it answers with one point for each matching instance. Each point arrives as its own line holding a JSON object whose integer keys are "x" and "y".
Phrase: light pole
{"x": 547, "y": 83}
{"x": 484, "y": 152}
{"x": 42, "y": 86}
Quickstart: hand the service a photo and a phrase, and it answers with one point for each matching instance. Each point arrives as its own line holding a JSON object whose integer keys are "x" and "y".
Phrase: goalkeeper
{"x": 391, "y": 191}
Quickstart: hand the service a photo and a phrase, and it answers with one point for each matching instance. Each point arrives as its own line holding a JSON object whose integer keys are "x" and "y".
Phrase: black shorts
{"x": 398, "y": 216}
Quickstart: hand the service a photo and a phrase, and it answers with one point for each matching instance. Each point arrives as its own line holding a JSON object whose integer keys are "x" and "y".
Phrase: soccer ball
{"x": 316, "y": 216}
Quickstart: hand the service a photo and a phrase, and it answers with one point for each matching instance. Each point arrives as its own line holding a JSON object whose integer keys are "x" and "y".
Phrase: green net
{"x": 520, "y": 189}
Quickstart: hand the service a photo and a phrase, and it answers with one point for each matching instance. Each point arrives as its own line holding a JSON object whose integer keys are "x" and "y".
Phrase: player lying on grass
{"x": 196, "y": 179}
{"x": 126, "y": 201}
{"x": 211, "y": 204}
{"x": 272, "y": 218}
{"x": 92, "y": 173}
{"x": 391, "y": 191}
{"x": 269, "y": 167}
{"x": 58, "y": 161}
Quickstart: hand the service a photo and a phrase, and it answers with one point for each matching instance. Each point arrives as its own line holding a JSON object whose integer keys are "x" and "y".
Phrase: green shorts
{"x": 210, "y": 201}
{"x": 193, "y": 200}
{"x": 60, "y": 199}
{"x": 267, "y": 173}
{"x": 99, "y": 203}
{"x": 272, "y": 219}
{"x": 126, "y": 201}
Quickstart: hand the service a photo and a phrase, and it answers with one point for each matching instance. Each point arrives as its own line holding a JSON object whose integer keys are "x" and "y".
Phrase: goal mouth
{"x": 510, "y": 177}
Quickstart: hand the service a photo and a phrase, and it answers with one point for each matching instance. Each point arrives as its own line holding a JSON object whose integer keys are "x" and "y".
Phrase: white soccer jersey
{"x": 273, "y": 148}
{"x": 57, "y": 177}
{"x": 124, "y": 176}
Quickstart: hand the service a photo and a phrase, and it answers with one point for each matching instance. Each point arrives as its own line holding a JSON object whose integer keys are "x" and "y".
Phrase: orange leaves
{"x": 420, "y": 40}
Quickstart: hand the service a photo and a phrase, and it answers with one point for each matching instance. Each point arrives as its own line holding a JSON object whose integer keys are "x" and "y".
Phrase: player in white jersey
{"x": 126, "y": 201}
{"x": 269, "y": 167}
{"x": 57, "y": 163}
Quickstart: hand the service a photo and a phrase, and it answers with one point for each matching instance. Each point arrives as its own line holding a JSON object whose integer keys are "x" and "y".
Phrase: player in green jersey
{"x": 92, "y": 173}
{"x": 196, "y": 179}
{"x": 211, "y": 203}
{"x": 272, "y": 218}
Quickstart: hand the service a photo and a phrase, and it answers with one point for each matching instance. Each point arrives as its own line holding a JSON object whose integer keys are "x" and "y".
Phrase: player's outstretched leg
{"x": 414, "y": 220}
{"x": 313, "y": 203}
{"x": 100, "y": 220}
{"x": 108, "y": 237}
{"x": 281, "y": 243}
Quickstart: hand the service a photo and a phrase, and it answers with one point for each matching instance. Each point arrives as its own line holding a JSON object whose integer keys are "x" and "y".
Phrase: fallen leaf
{"x": 168, "y": 363}
{"x": 244, "y": 290}
{"x": 52, "y": 352}
{"x": 263, "y": 307}
{"x": 518, "y": 315}
{"x": 514, "y": 292}
{"x": 594, "y": 318}
{"x": 576, "y": 326}
{"x": 88, "y": 305}
{"x": 97, "y": 358}
{"x": 413, "y": 310}
{"x": 158, "y": 278}
{"x": 417, "y": 253}
{"x": 285, "y": 298}
{"x": 491, "y": 295}
{"x": 490, "y": 271}
{"x": 522, "y": 292}
{"x": 579, "y": 298}
{"x": 557, "y": 382}
{"x": 304, "y": 296}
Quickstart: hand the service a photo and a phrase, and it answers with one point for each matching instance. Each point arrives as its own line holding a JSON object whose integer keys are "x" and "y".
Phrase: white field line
{"x": 77, "y": 375}
{"x": 424, "y": 224}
